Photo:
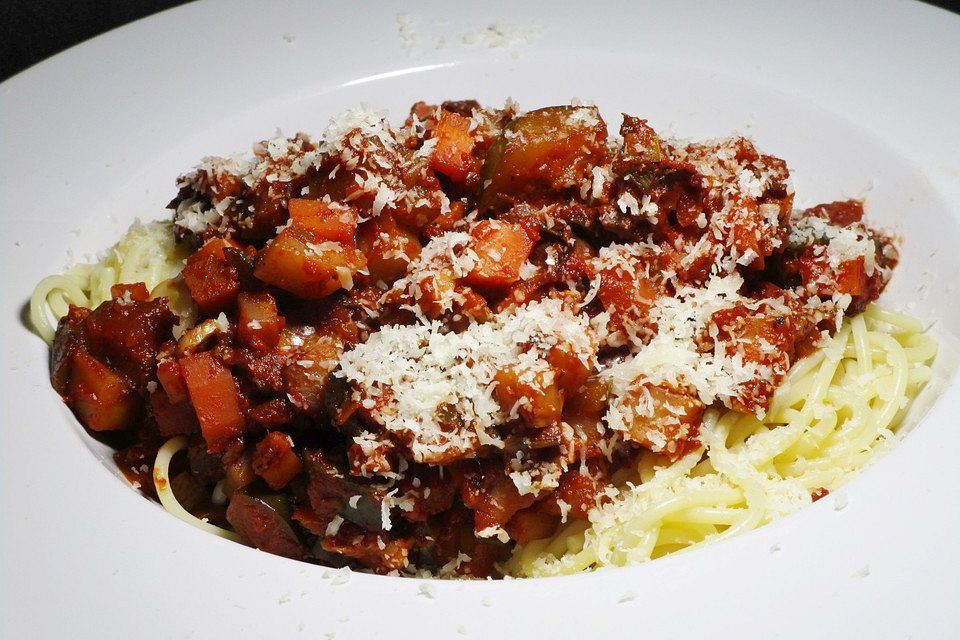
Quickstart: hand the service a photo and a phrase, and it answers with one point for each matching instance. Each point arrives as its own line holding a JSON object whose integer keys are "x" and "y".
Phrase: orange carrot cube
{"x": 258, "y": 323}
{"x": 501, "y": 250}
{"x": 215, "y": 398}
{"x": 324, "y": 221}
{"x": 275, "y": 461}
{"x": 453, "y": 154}
{"x": 171, "y": 379}
{"x": 293, "y": 262}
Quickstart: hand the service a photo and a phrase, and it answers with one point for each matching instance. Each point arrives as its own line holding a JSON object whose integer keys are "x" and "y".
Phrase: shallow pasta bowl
{"x": 96, "y": 136}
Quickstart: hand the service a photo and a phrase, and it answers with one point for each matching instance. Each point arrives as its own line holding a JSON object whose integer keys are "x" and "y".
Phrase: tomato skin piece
{"x": 453, "y": 155}
{"x": 215, "y": 398}
{"x": 325, "y": 221}
{"x": 841, "y": 212}
{"x": 501, "y": 249}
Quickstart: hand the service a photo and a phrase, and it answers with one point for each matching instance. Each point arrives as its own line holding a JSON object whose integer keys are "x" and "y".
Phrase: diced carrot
{"x": 170, "y": 377}
{"x": 324, "y": 221}
{"x": 453, "y": 155}
{"x": 212, "y": 282}
{"x": 540, "y": 404}
{"x": 569, "y": 369}
{"x": 852, "y": 277}
{"x": 215, "y": 398}
{"x": 137, "y": 291}
{"x": 531, "y": 524}
{"x": 215, "y": 247}
{"x": 580, "y": 491}
{"x": 258, "y": 323}
{"x": 103, "y": 399}
{"x": 501, "y": 250}
{"x": 664, "y": 419}
{"x": 389, "y": 248}
{"x": 275, "y": 461}
{"x": 296, "y": 264}
{"x": 628, "y": 298}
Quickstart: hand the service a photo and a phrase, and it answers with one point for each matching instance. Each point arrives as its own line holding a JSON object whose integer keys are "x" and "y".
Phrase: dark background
{"x": 31, "y": 30}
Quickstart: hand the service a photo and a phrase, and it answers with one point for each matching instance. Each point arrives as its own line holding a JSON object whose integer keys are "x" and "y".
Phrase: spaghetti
{"x": 161, "y": 481}
{"x": 147, "y": 253}
{"x": 837, "y": 410}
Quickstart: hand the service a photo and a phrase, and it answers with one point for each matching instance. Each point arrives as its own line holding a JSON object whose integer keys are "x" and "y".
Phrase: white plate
{"x": 851, "y": 95}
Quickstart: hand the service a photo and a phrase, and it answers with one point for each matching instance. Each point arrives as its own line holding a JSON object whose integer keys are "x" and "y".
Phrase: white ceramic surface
{"x": 857, "y": 97}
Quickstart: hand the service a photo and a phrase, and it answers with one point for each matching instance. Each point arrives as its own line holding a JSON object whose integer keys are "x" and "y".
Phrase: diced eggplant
{"x": 128, "y": 335}
{"x": 334, "y": 493}
{"x": 68, "y": 338}
{"x": 264, "y": 527}
{"x": 103, "y": 399}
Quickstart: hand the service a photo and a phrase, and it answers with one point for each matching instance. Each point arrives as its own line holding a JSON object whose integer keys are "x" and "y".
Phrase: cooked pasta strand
{"x": 147, "y": 253}
{"x": 833, "y": 414}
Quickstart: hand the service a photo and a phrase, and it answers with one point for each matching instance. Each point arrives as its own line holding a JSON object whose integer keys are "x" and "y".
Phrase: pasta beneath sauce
{"x": 836, "y": 410}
